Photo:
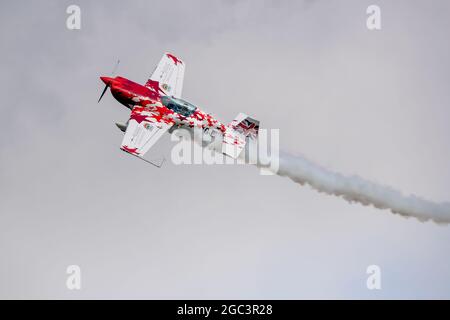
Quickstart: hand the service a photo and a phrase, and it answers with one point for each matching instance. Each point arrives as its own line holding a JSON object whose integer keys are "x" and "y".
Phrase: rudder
{"x": 236, "y": 133}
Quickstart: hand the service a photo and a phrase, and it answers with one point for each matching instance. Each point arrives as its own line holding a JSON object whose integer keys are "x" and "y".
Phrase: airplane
{"x": 156, "y": 108}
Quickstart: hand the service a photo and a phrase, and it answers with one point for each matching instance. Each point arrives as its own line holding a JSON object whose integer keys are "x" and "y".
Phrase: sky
{"x": 356, "y": 101}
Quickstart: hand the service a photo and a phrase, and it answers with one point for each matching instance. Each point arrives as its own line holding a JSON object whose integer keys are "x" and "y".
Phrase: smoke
{"x": 350, "y": 188}
{"x": 356, "y": 189}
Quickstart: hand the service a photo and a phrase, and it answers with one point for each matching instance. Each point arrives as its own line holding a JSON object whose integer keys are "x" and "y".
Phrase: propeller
{"x": 104, "y": 90}
{"x": 107, "y": 82}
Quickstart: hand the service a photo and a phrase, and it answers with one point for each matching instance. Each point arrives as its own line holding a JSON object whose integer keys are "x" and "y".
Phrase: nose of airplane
{"x": 106, "y": 80}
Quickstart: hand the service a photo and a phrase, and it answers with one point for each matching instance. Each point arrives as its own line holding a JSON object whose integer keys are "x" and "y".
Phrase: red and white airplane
{"x": 157, "y": 107}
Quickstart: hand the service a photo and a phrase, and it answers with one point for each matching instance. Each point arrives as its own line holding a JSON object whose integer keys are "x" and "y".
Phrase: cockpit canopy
{"x": 178, "y": 105}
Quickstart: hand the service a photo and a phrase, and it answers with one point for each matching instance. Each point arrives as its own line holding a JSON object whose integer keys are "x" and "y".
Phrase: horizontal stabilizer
{"x": 237, "y": 132}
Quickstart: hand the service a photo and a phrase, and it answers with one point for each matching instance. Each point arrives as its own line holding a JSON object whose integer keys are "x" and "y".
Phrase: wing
{"x": 145, "y": 127}
{"x": 168, "y": 76}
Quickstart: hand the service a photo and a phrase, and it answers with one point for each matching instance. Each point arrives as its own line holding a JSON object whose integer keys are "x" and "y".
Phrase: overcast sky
{"x": 371, "y": 103}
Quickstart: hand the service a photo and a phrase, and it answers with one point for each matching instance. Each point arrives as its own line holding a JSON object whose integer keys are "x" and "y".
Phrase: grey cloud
{"x": 373, "y": 104}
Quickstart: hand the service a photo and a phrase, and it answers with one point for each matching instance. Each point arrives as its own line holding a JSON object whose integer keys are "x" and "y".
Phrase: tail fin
{"x": 237, "y": 132}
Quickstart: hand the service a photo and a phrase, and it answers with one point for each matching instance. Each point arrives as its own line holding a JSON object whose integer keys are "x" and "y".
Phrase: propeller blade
{"x": 115, "y": 67}
{"x": 108, "y": 83}
{"x": 104, "y": 90}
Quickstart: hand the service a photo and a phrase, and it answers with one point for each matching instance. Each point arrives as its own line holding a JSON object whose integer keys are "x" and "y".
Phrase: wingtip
{"x": 156, "y": 162}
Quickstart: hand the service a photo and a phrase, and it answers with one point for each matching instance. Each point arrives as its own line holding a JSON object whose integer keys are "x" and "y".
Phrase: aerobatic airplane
{"x": 157, "y": 107}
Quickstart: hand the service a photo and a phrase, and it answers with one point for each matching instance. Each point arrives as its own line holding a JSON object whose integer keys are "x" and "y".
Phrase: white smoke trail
{"x": 350, "y": 188}
{"x": 356, "y": 189}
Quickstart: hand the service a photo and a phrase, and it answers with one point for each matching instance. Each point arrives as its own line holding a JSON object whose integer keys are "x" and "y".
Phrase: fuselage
{"x": 152, "y": 102}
